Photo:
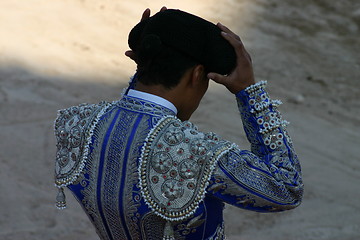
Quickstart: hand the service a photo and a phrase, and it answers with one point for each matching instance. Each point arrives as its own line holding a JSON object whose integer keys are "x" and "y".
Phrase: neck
{"x": 157, "y": 90}
{"x": 173, "y": 95}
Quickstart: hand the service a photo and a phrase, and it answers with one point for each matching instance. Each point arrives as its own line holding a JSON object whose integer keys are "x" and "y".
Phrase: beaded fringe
{"x": 168, "y": 232}
{"x": 61, "y": 199}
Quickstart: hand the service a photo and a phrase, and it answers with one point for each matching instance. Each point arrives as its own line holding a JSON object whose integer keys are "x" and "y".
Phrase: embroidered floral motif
{"x": 174, "y": 136}
{"x": 189, "y": 169}
{"x": 175, "y": 166}
{"x": 73, "y": 129}
{"x": 161, "y": 162}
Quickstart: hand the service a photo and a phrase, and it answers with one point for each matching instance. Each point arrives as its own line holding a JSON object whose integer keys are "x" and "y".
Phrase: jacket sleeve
{"x": 267, "y": 178}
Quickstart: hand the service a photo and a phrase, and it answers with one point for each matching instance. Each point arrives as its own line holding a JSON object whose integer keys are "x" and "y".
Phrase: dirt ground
{"x": 58, "y": 53}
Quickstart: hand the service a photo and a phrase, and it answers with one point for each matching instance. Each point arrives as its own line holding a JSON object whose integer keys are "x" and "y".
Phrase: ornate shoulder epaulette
{"x": 176, "y": 164}
{"x": 73, "y": 130}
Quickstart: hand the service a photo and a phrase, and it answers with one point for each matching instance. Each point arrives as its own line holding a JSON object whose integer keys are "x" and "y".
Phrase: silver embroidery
{"x": 132, "y": 195}
{"x": 175, "y": 166}
{"x": 269, "y": 177}
{"x": 143, "y": 106}
{"x": 219, "y": 233}
{"x": 90, "y": 200}
{"x": 152, "y": 226}
{"x": 73, "y": 130}
{"x": 112, "y": 175}
{"x": 243, "y": 167}
{"x": 267, "y": 117}
{"x": 72, "y": 127}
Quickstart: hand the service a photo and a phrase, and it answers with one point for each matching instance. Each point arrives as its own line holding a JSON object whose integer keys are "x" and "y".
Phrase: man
{"x": 140, "y": 170}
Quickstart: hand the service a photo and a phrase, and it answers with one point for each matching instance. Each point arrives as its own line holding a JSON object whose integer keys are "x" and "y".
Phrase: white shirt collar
{"x": 152, "y": 98}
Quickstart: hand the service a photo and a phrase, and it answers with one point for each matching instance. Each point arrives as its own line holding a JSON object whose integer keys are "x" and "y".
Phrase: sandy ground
{"x": 57, "y": 53}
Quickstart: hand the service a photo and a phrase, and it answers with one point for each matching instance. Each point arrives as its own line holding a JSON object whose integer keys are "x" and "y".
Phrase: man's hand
{"x": 145, "y": 15}
{"x": 242, "y": 76}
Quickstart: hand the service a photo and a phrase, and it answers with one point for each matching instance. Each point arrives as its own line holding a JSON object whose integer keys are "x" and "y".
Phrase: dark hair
{"x": 161, "y": 64}
{"x": 170, "y": 42}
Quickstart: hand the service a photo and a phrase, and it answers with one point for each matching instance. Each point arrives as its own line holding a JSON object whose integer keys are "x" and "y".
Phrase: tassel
{"x": 61, "y": 199}
{"x": 168, "y": 232}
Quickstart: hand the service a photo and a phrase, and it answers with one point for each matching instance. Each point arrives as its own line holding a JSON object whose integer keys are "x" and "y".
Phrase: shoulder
{"x": 81, "y": 111}
{"x": 73, "y": 127}
{"x": 175, "y": 166}
{"x": 173, "y": 131}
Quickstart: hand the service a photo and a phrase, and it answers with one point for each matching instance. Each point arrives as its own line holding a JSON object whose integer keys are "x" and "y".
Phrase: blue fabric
{"x": 264, "y": 179}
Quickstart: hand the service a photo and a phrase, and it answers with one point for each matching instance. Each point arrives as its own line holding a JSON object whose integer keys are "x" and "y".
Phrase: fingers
{"x": 242, "y": 76}
{"x": 145, "y": 15}
{"x": 236, "y": 43}
{"x": 228, "y": 31}
{"x": 218, "y": 78}
{"x": 147, "y": 12}
{"x": 131, "y": 55}
{"x": 234, "y": 40}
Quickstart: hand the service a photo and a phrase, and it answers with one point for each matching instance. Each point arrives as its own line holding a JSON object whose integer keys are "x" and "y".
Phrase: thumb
{"x": 218, "y": 78}
{"x": 131, "y": 55}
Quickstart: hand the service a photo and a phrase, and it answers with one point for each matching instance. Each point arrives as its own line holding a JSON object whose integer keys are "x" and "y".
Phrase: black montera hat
{"x": 188, "y": 34}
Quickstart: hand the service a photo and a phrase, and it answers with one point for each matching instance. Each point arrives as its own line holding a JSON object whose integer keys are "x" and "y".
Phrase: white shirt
{"x": 152, "y": 98}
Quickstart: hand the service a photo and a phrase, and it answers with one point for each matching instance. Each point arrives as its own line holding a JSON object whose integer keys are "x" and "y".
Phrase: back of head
{"x": 170, "y": 42}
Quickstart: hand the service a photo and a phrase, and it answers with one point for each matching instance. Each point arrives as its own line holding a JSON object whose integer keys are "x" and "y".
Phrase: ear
{"x": 198, "y": 75}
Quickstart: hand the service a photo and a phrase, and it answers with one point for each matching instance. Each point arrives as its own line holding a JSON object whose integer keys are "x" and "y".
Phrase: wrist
{"x": 248, "y": 89}
{"x": 253, "y": 88}
{"x": 241, "y": 87}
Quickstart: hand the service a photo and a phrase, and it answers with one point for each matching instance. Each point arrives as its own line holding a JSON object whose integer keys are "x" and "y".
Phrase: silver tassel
{"x": 61, "y": 199}
{"x": 168, "y": 232}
